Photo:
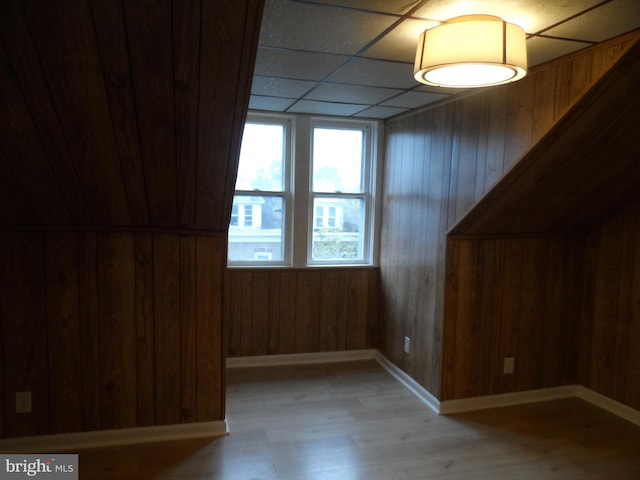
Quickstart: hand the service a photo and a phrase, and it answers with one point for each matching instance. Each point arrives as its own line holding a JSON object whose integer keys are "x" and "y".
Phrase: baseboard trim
{"x": 409, "y": 383}
{"x": 608, "y": 404}
{"x": 446, "y": 407}
{"x": 109, "y": 438}
{"x": 301, "y": 358}
{"x": 506, "y": 399}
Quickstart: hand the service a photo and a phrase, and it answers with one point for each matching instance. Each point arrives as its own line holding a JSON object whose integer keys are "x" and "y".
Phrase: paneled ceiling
{"x": 354, "y": 58}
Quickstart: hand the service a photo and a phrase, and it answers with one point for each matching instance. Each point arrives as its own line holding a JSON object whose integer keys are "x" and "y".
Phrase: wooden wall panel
{"x": 211, "y": 258}
{"x": 78, "y": 330}
{"x": 88, "y": 307}
{"x": 613, "y": 344}
{"x": 167, "y": 306}
{"x": 24, "y": 325}
{"x": 109, "y": 25}
{"x": 27, "y": 71}
{"x": 116, "y": 300}
{"x": 280, "y": 311}
{"x": 76, "y": 84}
{"x": 150, "y": 53}
{"x": 499, "y": 305}
{"x": 63, "y": 332}
{"x": 462, "y": 149}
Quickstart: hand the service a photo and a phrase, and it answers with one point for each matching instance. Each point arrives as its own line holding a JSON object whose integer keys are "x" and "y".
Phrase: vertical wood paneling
{"x": 14, "y": 205}
{"x": 89, "y": 331}
{"x": 307, "y": 311}
{"x": 145, "y": 329}
{"x": 167, "y": 303}
{"x": 473, "y": 142}
{"x": 63, "y": 332}
{"x": 188, "y": 331}
{"x": 614, "y": 340}
{"x": 27, "y": 69}
{"x": 116, "y": 300}
{"x": 301, "y": 311}
{"x": 76, "y": 85}
{"x": 151, "y": 56}
{"x": 501, "y": 303}
{"x": 186, "y": 59}
{"x": 287, "y": 313}
{"x": 24, "y": 152}
{"x": 211, "y": 260}
{"x": 108, "y": 21}
{"x": 23, "y": 323}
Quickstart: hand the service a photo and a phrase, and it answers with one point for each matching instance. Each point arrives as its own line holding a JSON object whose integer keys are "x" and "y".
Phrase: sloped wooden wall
{"x": 120, "y": 127}
{"x": 439, "y": 164}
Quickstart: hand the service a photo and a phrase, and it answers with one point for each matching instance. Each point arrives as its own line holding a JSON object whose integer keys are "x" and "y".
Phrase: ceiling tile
{"x": 541, "y": 49}
{"x": 532, "y": 15}
{"x": 376, "y": 73}
{"x": 274, "y": 104}
{"x": 396, "y": 7}
{"x": 381, "y": 112}
{"x": 274, "y": 62}
{"x": 337, "y": 92}
{"x": 400, "y": 44}
{"x": 326, "y": 108}
{"x": 319, "y": 28}
{"x": 413, "y": 99}
{"x": 601, "y": 23}
{"x": 280, "y": 87}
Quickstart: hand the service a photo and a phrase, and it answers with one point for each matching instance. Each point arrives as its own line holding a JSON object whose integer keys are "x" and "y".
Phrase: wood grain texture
{"x": 464, "y": 149}
{"x": 63, "y": 332}
{"x": 122, "y": 113}
{"x": 281, "y": 311}
{"x": 23, "y": 323}
{"x": 568, "y": 168}
{"x": 499, "y": 305}
{"x": 120, "y": 135}
{"x": 613, "y": 344}
{"x": 110, "y": 330}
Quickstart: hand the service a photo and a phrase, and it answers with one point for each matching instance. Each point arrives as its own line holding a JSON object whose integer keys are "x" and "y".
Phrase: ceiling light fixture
{"x": 471, "y": 51}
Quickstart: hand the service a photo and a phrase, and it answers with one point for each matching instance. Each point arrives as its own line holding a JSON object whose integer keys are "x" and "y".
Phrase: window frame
{"x": 299, "y": 218}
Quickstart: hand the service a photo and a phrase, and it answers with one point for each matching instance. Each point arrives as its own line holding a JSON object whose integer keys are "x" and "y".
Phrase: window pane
{"x": 262, "y": 158}
{"x": 337, "y": 160}
{"x": 338, "y": 229}
{"x": 256, "y": 233}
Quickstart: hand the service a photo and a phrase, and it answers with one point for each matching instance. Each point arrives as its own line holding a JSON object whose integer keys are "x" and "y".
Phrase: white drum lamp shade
{"x": 471, "y": 51}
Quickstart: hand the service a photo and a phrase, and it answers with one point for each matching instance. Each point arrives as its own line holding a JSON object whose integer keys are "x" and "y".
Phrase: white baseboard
{"x": 409, "y": 383}
{"x": 108, "y": 438}
{"x": 506, "y": 399}
{"x": 608, "y": 404}
{"x": 446, "y": 407}
{"x": 301, "y": 358}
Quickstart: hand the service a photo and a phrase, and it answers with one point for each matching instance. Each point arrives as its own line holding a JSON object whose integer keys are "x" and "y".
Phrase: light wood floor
{"x": 353, "y": 421}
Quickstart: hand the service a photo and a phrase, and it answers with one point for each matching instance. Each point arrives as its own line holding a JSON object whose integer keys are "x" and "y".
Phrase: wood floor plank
{"x": 352, "y": 420}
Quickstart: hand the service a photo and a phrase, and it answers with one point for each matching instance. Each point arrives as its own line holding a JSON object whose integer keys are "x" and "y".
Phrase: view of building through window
{"x": 333, "y": 217}
{"x": 256, "y": 228}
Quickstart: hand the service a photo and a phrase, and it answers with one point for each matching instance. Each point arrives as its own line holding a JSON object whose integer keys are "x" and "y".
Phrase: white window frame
{"x": 298, "y": 221}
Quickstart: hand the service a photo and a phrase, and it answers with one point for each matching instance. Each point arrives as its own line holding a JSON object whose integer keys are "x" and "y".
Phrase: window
{"x": 304, "y": 192}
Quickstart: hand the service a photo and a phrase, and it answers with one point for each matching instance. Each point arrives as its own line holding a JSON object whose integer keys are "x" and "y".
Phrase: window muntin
{"x": 257, "y": 231}
{"x": 340, "y": 193}
{"x": 311, "y": 208}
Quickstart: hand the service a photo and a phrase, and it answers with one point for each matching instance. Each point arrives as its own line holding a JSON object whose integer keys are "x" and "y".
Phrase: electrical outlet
{"x": 23, "y": 402}
{"x": 509, "y": 365}
{"x": 407, "y": 344}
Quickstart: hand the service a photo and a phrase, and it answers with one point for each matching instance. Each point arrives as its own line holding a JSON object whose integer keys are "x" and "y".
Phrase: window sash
{"x": 298, "y": 198}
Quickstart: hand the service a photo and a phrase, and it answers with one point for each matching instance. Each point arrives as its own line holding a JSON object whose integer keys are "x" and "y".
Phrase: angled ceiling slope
{"x": 580, "y": 173}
